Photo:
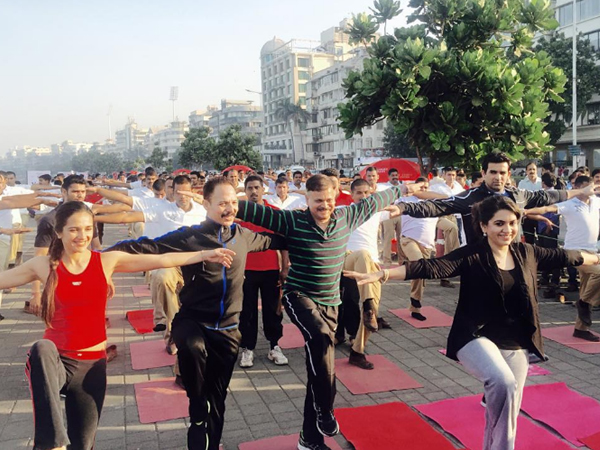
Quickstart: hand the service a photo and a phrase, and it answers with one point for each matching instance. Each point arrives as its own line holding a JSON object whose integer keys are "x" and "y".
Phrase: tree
{"x": 197, "y": 148}
{"x": 158, "y": 158}
{"x": 560, "y": 50}
{"x": 94, "y": 161}
{"x": 396, "y": 144}
{"x": 385, "y": 10}
{"x": 362, "y": 29}
{"x": 463, "y": 83}
{"x": 235, "y": 147}
{"x": 294, "y": 115}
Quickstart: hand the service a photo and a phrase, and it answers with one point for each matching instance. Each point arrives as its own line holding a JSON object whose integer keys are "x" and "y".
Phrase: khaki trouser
{"x": 392, "y": 228}
{"x": 415, "y": 251}
{"x": 165, "y": 285}
{"x": 137, "y": 229}
{"x": 450, "y": 229}
{"x": 589, "y": 294}
{"x": 4, "y": 254}
{"x": 361, "y": 261}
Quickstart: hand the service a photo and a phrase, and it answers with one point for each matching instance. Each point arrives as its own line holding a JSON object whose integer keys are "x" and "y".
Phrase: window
{"x": 287, "y": 64}
{"x": 587, "y": 9}
{"x": 275, "y": 68}
{"x": 369, "y": 143}
{"x": 593, "y": 113}
{"x": 565, "y": 15}
{"x": 302, "y": 88}
{"x": 594, "y": 38}
{"x": 303, "y": 62}
{"x": 303, "y": 75}
{"x": 302, "y": 101}
{"x": 380, "y": 125}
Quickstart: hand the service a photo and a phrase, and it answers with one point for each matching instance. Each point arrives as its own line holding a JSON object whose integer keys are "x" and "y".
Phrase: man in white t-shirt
{"x": 582, "y": 216}
{"x": 372, "y": 178}
{"x": 297, "y": 184}
{"x": 283, "y": 199}
{"x": 392, "y": 227}
{"x": 418, "y": 242}
{"x": 162, "y": 217}
{"x": 363, "y": 256}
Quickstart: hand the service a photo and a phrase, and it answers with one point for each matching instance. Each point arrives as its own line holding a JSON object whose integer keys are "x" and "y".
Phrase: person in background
{"x": 392, "y": 228}
{"x": 476, "y": 179}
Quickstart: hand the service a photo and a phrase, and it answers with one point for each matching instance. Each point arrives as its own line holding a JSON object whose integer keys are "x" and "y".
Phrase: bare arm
{"x": 112, "y": 195}
{"x": 32, "y": 270}
{"x": 116, "y": 183}
{"x": 26, "y": 200}
{"x": 110, "y": 209}
{"x": 123, "y": 217}
{"x": 398, "y": 273}
{"x": 540, "y": 211}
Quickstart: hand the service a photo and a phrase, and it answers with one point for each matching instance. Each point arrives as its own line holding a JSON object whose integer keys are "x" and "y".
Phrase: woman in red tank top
{"x": 71, "y": 357}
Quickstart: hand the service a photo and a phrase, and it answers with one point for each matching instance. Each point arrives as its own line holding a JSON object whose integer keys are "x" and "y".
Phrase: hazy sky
{"x": 62, "y": 63}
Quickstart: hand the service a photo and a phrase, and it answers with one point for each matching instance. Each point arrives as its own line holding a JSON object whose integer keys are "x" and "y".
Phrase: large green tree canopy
{"x": 461, "y": 82}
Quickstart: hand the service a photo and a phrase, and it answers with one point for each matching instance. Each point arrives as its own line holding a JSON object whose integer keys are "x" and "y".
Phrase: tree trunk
{"x": 292, "y": 141}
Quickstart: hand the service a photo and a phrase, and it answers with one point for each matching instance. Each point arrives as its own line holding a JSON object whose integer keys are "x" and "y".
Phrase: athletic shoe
{"x": 1, "y": 317}
{"x": 303, "y": 445}
{"x": 247, "y": 359}
{"x": 159, "y": 327}
{"x": 277, "y": 356}
{"x": 197, "y": 436}
{"x": 586, "y": 335}
{"x": 326, "y": 423}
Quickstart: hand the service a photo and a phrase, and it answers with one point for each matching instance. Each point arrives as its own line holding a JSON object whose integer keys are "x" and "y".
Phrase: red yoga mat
{"x": 289, "y": 442}
{"x": 141, "y": 320}
{"x": 593, "y": 441}
{"x": 150, "y": 354}
{"x": 570, "y": 414}
{"x": 292, "y": 338}
{"x": 386, "y": 376}
{"x": 435, "y": 318}
{"x": 464, "y": 419}
{"x": 391, "y": 425}
{"x": 160, "y": 400}
{"x": 564, "y": 336}
{"x": 141, "y": 291}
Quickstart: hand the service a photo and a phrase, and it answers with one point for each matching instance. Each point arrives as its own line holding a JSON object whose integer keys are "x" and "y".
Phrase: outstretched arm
{"x": 27, "y": 200}
{"x": 30, "y": 271}
{"x": 110, "y": 209}
{"x": 123, "y": 217}
{"x": 269, "y": 218}
{"x": 540, "y": 210}
{"x": 111, "y": 194}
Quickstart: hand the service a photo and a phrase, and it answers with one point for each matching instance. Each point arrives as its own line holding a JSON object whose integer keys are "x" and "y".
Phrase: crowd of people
{"x": 317, "y": 246}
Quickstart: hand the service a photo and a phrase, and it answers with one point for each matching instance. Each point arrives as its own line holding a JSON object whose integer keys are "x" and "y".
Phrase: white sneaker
{"x": 277, "y": 356}
{"x": 247, "y": 358}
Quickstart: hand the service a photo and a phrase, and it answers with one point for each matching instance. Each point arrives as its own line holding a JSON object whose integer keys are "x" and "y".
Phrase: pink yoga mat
{"x": 593, "y": 441}
{"x": 150, "y": 354}
{"x": 292, "y": 338}
{"x": 141, "y": 320}
{"x": 391, "y": 425}
{"x": 160, "y": 400}
{"x": 534, "y": 369}
{"x": 289, "y": 442}
{"x": 141, "y": 291}
{"x": 564, "y": 335}
{"x": 435, "y": 318}
{"x": 464, "y": 419}
{"x": 570, "y": 414}
{"x": 386, "y": 376}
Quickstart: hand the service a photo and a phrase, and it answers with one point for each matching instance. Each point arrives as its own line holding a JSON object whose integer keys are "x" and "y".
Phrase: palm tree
{"x": 293, "y": 115}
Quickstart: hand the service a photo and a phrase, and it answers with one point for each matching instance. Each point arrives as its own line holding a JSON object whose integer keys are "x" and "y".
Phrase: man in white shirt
{"x": 372, "y": 178}
{"x": 363, "y": 257}
{"x": 162, "y": 217}
{"x": 297, "y": 184}
{"x": 418, "y": 242}
{"x": 282, "y": 199}
{"x": 531, "y": 183}
{"x": 392, "y": 227}
{"x": 582, "y": 215}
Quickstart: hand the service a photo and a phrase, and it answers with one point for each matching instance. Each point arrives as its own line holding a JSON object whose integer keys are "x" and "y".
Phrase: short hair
{"x": 372, "y": 169}
{"x": 45, "y": 177}
{"x": 132, "y": 178}
{"x": 584, "y": 169}
{"x": 392, "y": 170}
{"x": 195, "y": 172}
{"x": 358, "y": 183}
{"x": 357, "y": 174}
{"x": 434, "y": 172}
{"x": 159, "y": 185}
{"x": 495, "y": 158}
{"x": 73, "y": 179}
{"x": 281, "y": 175}
{"x": 330, "y": 172}
{"x": 251, "y": 178}
{"x": 448, "y": 169}
{"x": 181, "y": 179}
{"x": 549, "y": 167}
{"x": 297, "y": 172}
{"x": 594, "y": 172}
{"x": 149, "y": 172}
{"x": 10, "y": 172}
{"x": 530, "y": 163}
{"x": 582, "y": 179}
{"x": 573, "y": 175}
{"x": 549, "y": 179}
{"x": 421, "y": 180}
{"x": 319, "y": 182}
{"x": 475, "y": 176}
{"x": 211, "y": 185}
{"x": 281, "y": 180}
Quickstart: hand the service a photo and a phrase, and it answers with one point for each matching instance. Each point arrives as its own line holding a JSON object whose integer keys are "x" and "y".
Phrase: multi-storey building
{"x": 588, "y": 123}
{"x": 236, "y": 112}
{"x": 324, "y": 138}
{"x": 200, "y": 119}
{"x": 130, "y": 136}
{"x": 168, "y": 138}
{"x": 286, "y": 69}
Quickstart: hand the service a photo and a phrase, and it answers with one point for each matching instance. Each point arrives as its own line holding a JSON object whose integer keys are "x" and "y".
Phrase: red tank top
{"x": 80, "y": 307}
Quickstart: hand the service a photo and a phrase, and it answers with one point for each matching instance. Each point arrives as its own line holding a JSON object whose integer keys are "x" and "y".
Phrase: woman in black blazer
{"x": 496, "y": 322}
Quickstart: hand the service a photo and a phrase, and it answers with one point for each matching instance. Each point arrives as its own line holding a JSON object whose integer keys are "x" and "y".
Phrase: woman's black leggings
{"x": 83, "y": 382}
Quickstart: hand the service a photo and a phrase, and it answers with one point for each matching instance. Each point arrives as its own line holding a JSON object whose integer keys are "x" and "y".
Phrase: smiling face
{"x": 372, "y": 177}
{"x": 77, "y": 233}
{"x": 222, "y": 206}
{"x": 321, "y": 203}
{"x": 502, "y": 228}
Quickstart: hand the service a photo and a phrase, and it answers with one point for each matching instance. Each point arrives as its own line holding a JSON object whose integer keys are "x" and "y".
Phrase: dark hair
{"x": 392, "y": 170}
{"x": 594, "y": 172}
{"x": 132, "y": 178}
{"x": 483, "y": 212}
{"x": 422, "y": 180}
{"x": 150, "y": 171}
{"x": 330, "y": 172}
{"x": 73, "y": 179}
{"x": 434, "y": 172}
{"x": 582, "y": 179}
{"x": 55, "y": 253}
{"x": 357, "y": 174}
{"x": 194, "y": 172}
{"x": 358, "y": 183}
{"x": 10, "y": 172}
{"x": 282, "y": 175}
{"x": 371, "y": 169}
{"x": 448, "y": 169}
{"x": 57, "y": 182}
{"x": 281, "y": 180}
{"x": 574, "y": 175}
{"x": 549, "y": 167}
{"x": 45, "y": 177}
{"x": 549, "y": 179}
{"x": 159, "y": 185}
{"x": 495, "y": 158}
{"x": 319, "y": 182}
{"x": 251, "y": 178}
{"x": 181, "y": 179}
{"x": 476, "y": 176}
{"x": 530, "y": 163}
{"x": 211, "y": 185}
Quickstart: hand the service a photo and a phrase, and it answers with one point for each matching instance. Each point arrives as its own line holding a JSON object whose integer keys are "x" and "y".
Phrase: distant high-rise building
{"x": 130, "y": 136}
{"x": 199, "y": 119}
{"x": 168, "y": 138}
{"x": 237, "y": 112}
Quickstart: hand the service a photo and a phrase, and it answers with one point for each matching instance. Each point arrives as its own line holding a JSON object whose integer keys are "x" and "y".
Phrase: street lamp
{"x": 574, "y": 118}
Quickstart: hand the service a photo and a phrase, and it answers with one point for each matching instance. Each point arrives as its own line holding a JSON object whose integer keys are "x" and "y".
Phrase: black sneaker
{"x": 197, "y": 436}
{"x": 1, "y": 317}
{"x": 586, "y": 335}
{"x": 159, "y": 327}
{"x": 326, "y": 423}
{"x": 303, "y": 445}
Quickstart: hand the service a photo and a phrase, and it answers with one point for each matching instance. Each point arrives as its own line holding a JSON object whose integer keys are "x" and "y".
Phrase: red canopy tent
{"x": 182, "y": 171}
{"x": 239, "y": 168}
{"x": 407, "y": 170}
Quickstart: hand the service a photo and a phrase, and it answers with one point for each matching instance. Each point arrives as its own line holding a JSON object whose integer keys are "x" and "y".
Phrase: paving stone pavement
{"x": 266, "y": 400}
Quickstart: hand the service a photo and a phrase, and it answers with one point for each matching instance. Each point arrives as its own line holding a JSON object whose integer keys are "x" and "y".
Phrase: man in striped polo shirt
{"x": 316, "y": 240}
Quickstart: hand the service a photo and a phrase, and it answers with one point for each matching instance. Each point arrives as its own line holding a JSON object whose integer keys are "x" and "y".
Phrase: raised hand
{"x": 219, "y": 255}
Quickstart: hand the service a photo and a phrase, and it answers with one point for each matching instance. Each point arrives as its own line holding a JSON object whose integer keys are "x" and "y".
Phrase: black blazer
{"x": 481, "y": 296}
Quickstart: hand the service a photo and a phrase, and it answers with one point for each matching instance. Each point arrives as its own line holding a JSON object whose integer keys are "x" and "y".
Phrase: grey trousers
{"x": 503, "y": 373}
